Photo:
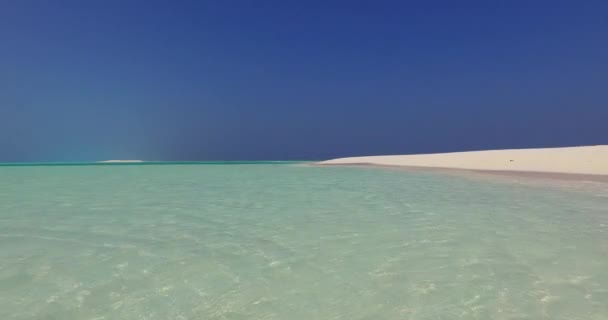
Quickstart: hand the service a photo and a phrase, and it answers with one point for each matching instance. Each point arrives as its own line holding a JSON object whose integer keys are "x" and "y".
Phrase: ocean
{"x": 291, "y": 241}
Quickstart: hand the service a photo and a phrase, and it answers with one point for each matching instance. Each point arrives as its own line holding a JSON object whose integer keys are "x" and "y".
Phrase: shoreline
{"x": 584, "y": 167}
{"x": 529, "y": 175}
{"x": 587, "y": 161}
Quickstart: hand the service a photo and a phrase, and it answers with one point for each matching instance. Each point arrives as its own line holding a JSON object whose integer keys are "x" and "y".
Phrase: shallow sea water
{"x": 295, "y": 242}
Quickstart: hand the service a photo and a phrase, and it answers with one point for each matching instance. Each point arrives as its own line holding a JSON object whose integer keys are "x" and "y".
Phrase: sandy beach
{"x": 583, "y": 162}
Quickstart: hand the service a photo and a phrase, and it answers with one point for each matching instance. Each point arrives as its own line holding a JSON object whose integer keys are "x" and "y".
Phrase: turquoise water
{"x": 143, "y": 163}
{"x": 295, "y": 242}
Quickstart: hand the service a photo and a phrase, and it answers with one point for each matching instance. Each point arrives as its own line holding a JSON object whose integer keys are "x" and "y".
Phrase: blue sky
{"x": 248, "y": 80}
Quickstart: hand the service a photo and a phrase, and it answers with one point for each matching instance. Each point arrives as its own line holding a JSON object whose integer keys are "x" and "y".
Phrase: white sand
{"x": 574, "y": 160}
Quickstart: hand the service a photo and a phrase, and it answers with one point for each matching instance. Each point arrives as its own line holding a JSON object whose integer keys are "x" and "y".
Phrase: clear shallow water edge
{"x": 295, "y": 242}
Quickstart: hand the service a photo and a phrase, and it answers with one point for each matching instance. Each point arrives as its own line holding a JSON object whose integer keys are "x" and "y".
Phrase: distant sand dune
{"x": 573, "y": 160}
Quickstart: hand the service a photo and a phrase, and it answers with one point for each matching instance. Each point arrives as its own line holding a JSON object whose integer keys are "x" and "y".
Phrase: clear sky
{"x": 247, "y": 80}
